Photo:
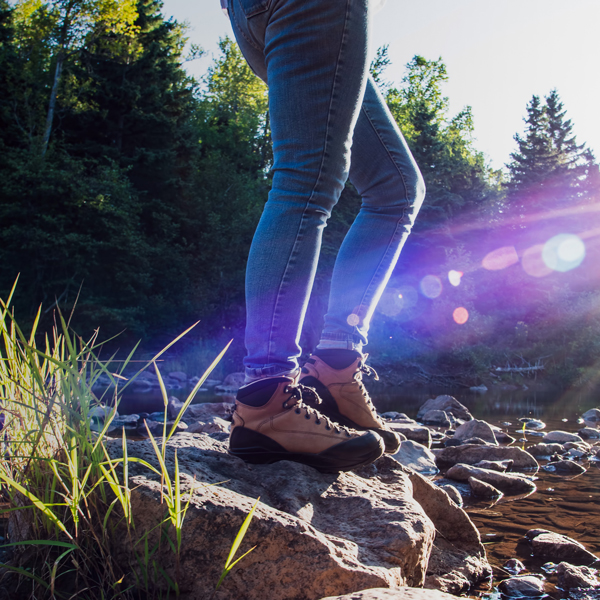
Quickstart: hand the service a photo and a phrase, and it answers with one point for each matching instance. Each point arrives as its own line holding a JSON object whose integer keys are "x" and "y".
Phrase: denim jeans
{"x": 329, "y": 123}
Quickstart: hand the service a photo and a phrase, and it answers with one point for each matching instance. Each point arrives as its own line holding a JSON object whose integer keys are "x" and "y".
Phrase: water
{"x": 566, "y": 505}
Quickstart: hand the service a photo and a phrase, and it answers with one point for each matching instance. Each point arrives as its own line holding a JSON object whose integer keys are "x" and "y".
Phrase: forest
{"x": 129, "y": 194}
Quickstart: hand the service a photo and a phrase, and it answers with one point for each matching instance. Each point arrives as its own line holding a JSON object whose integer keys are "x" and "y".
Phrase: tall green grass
{"x": 69, "y": 500}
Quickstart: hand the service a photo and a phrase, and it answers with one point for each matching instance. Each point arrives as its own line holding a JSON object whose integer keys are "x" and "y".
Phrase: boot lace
{"x": 369, "y": 372}
{"x": 299, "y": 396}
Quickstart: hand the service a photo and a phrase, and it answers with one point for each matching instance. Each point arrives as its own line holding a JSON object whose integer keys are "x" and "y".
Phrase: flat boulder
{"x": 204, "y": 412}
{"x": 592, "y": 415}
{"x": 471, "y": 454}
{"x": 589, "y": 433}
{"x": 448, "y": 404}
{"x": 412, "y": 431}
{"x": 552, "y": 546}
{"x": 508, "y": 483}
{"x": 560, "y": 437}
{"x": 324, "y": 534}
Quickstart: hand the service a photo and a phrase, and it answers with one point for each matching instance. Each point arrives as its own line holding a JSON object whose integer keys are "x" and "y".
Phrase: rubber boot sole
{"x": 256, "y": 448}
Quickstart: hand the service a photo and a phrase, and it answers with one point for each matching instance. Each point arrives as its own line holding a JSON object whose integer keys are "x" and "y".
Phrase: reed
{"x": 69, "y": 501}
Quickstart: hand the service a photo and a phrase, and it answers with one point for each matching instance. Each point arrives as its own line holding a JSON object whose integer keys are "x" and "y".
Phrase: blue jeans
{"x": 329, "y": 124}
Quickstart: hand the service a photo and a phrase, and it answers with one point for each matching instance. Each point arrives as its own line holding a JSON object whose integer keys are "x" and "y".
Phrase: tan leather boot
{"x": 344, "y": 397}
{"x": 271, "y": 423}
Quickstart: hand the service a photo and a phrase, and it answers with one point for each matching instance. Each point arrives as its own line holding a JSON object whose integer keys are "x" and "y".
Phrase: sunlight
{"x": 460, "y": 315}
{"x": 500, "y": 259}
{"x": 563, "y": 252}
{"x": 431, "y": 286}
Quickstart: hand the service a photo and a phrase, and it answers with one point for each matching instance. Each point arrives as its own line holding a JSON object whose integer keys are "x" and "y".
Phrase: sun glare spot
{"x": 532, "y": 262}
{"x": 353, "y": 320}
{"x": 460, "y": 315}
{"x": 500, "y": 258}
{"x": 454, "y": 277}
{"x": 563, "y": 252}
{"x": 431, "y": 286}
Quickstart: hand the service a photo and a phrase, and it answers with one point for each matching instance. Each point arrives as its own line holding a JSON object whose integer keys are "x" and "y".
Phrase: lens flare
{"x": 454, "y": 277}
{"x": 353, "y": 320}
{"x": 532, "y": 262}
{"x": 460, "y": 315}
{"x": 500, "y": 258}
{"x": 431, "y": 286}
{"x": 563, "y": 252}
{"x": 397, "y": 300}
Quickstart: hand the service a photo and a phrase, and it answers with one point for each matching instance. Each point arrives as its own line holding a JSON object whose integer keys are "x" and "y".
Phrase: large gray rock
{"x": 560, "y": 437}
{"x": 476, "y": 428}
{"x": 398, "y": 594}
{"x": 507, "y": 483}
{"x": 552, "y": 546}
{"x": 524, "y": 586}
{"x": 448, "y": 404}
{"x": 458, "y": 557}
{"x": 204, "y": 412}
{"x": 570, "y": 576}
{"x": 417, "y": 457}
{"x": 471, "y": 454}
{"x": 589, "y": 433}
{"x": 317, "y": 534}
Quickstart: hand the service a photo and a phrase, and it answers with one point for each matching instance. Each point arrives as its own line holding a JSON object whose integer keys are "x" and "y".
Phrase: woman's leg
{"x": 313, "y": 54}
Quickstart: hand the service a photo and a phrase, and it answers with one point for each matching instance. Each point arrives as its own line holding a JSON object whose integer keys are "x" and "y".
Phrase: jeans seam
{"x": 406, "y": 200}
{"x": 316, "y": 184}
{"x": 241, "y": 31}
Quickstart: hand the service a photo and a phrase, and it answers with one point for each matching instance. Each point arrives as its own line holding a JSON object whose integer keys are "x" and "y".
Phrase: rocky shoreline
{"x": 387, "y": 526}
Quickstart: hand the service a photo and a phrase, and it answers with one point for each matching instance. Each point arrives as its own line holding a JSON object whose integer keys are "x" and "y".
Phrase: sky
{"x": 497, "y": 54}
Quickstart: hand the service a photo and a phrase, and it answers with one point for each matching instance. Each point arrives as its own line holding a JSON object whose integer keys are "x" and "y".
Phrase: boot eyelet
{"x": 298, "y": 411}
{"x": 318, "y": 421}
{"x": 328, "y": 427}
{"x": 307, "y": 417}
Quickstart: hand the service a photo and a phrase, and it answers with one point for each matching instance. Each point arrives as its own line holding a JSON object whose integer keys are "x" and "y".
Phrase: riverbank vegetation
{"x": 132, "y": 190}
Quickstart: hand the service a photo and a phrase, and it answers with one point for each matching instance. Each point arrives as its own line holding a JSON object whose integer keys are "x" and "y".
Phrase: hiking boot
{"x": 271, "y": 422}
{"x": 344, "y": 397}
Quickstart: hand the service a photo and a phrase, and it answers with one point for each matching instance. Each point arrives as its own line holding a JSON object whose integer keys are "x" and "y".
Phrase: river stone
{"x": 471, "y": 454}
{"x": 417, "y": 457}
{"x": 589, "y": 433}
{"x": 476, "y": 428}
{"x": 502, "y": 466}
{"x": 397, "y": 594}
{"x": 524, "y": 586}
{"x": 392, "y": 415}
{"x": 556, "y": 547}
{"x": 324, "y": 534}
{"x": 437, "y": 418}
{"x": 416, "y": 433}
{"x": 212, "y": 425}
{"x": 501, "y": 436}
{"x": 592, "y": 415}
{"x": 514, "y": 566}
{"x": 448, "y": 404}
{"x": 570, "y": 576}
{"x": 458, "y": 556}
{"x": 508, "y": 483}
{"x": 453, "y": 493}
{"x": 545, "y": 450}
{"x": 561, "y": 437}
{"x": 179, "y": 376}
{"x": 564, "y": 467}
{"x": 483, "y": 490}
{"x": 203, "y": 412}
